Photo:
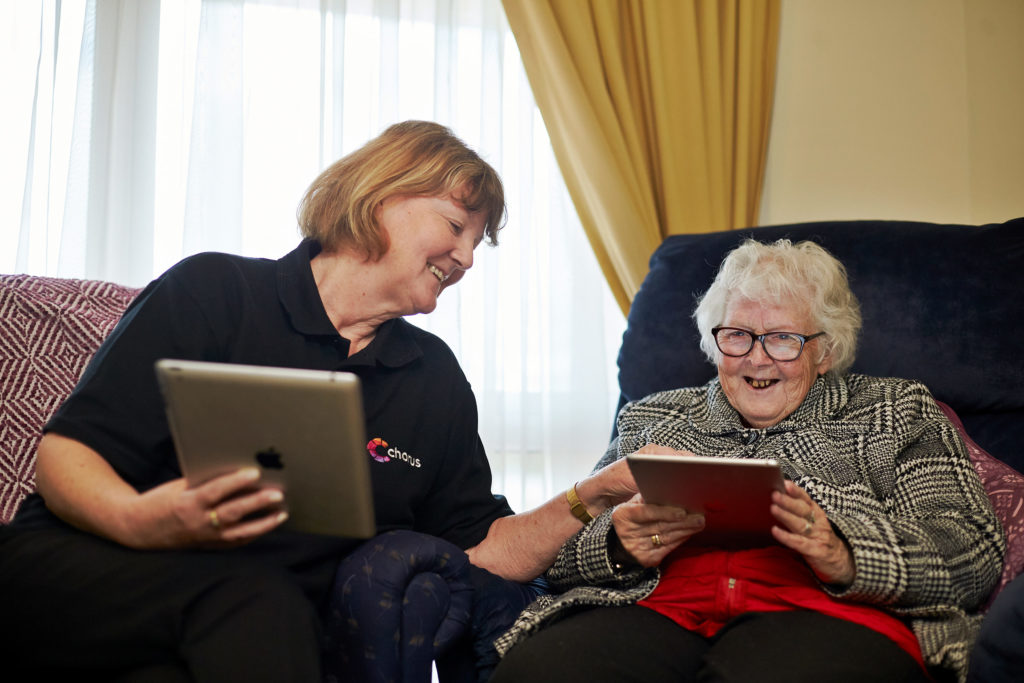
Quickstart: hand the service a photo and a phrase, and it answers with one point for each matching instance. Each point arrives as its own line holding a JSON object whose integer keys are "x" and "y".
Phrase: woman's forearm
{"x": 81, "y": 487}
{"x": 523, "y": 546}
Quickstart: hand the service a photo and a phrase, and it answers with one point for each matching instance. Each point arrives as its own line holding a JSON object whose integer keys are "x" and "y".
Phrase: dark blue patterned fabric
{"x": 496, "y": 604}
{"x": 404, "y": 599}
{"x": 399, "y": 600}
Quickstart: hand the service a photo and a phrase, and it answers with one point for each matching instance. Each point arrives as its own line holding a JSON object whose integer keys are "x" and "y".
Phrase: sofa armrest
{"x": 398, "y": 602}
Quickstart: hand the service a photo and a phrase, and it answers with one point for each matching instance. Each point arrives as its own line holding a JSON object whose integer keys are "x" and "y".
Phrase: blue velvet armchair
{"x": 940, "y": 303}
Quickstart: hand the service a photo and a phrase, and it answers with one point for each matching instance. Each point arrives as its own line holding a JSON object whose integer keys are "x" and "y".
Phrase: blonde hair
{"x": 782, "y": 271}
{"x": 418, "y": 158}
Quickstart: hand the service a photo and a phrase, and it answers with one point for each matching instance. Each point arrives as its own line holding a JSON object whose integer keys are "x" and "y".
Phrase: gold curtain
{"x": 658, "y": 112}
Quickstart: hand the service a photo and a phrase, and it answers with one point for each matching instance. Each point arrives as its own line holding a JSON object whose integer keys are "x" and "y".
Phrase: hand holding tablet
{"x": 734, "y": 494}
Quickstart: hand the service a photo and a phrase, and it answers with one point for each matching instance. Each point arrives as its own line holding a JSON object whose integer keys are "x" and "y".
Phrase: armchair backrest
{"x": 942, "y": 304}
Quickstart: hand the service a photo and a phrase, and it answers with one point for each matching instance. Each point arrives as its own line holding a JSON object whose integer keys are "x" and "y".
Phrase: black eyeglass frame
{"x": 754, "y": 338}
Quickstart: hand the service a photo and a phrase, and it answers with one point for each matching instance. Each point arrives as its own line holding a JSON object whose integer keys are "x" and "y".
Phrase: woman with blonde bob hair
{"x": 881, "y": 541}
{"x": 145, "y": 576}
{"x": 410, "y": 158}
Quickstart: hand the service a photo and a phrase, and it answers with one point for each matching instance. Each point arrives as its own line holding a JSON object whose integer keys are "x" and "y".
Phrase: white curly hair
{"x": 785, "y": 272}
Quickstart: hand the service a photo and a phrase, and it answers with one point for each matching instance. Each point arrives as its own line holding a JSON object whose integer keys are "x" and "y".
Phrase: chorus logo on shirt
{"x": 381, "y": 452}
{"x": 375, "y": 446}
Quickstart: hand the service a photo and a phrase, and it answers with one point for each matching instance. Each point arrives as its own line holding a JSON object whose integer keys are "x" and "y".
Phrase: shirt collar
{"x": 297, "y": 291}
{"x": 394, "y": 345}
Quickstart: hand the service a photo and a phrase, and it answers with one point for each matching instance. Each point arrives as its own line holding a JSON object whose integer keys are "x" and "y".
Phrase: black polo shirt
{"x": 432, "y": 475}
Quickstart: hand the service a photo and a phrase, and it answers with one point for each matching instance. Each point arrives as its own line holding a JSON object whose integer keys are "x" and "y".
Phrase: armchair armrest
{"x": 398, "y": 602}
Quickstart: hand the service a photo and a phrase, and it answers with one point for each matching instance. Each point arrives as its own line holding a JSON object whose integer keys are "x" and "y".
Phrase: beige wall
{"x": 900, "y": 109}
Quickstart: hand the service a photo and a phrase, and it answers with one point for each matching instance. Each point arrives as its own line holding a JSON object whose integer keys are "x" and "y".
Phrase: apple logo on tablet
{"x": 270, "y": 458}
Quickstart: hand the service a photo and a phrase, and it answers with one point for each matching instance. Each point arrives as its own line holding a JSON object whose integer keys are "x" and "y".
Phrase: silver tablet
{"x": 734, "y": 494}
{"x": 304, "y": 429}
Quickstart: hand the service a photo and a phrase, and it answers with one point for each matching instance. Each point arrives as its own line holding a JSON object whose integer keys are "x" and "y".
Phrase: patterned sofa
{"x": 49, "y": 329}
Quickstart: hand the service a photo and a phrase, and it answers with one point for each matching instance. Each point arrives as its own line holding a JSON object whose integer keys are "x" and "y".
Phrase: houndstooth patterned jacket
{"x": 876, "y": 454}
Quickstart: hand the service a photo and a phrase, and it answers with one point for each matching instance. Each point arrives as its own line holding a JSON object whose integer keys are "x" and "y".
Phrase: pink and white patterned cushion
{"x": 1005, "y": 488}
{"x": 49, "y": 329}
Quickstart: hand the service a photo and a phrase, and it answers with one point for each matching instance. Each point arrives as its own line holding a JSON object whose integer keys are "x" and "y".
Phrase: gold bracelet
{"x": 579, "y": 510}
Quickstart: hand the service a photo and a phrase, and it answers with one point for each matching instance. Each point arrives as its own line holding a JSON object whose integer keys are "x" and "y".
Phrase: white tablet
{"x": 734, "y": 494}
{"x": 304, "y": 429}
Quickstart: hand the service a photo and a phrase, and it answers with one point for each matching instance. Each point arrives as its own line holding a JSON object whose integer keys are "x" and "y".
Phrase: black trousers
{"x": 72, "y": 602}
{"x": 634, "y": 643}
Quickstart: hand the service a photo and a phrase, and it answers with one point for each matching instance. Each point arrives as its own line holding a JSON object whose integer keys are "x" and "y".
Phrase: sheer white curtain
{"x": 136, "y": 132}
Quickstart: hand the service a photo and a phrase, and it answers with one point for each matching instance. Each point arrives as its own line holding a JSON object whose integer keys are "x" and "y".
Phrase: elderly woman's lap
{"x": 625, "y": 644}
{"x": 604, "y": 644}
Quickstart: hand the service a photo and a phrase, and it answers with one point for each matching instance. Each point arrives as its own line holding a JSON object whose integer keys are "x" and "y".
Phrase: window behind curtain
{"x": 137, "y": 132}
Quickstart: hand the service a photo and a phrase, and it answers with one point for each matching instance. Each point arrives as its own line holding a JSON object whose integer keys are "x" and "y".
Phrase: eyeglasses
{"x": 780, "y": 346}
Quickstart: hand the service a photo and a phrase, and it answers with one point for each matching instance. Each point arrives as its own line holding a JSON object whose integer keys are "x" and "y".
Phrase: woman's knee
{"x": 621, "y": 644}
{"x": 251, "y": 596}
{"x": 261, "y": 619}
{"x": 799, "y": 645}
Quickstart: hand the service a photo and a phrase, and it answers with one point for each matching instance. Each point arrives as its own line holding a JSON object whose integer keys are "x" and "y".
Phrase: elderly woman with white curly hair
{"x": 884, "y": 544}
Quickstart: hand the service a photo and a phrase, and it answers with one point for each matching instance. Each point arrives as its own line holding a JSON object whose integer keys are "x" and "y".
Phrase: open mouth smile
{"x": 438, "y": 273}
{"x": 760, "y": 383}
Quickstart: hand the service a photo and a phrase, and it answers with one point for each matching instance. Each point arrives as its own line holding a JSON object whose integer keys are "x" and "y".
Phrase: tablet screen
{"x": 734, "y": 494}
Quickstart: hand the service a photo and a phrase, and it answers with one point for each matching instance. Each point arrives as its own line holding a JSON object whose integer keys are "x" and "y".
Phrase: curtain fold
{"x": 658, "y": 113}
{"x": 121, "y": 139}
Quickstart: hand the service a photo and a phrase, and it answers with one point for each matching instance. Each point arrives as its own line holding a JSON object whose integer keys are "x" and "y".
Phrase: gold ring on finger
{"x": 656, "y": 540}
{"x": 214, "y": 519}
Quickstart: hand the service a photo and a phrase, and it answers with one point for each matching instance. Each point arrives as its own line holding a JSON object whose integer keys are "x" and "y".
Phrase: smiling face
{"x": 765, "y": 391}
{"x": 431, "y": 246}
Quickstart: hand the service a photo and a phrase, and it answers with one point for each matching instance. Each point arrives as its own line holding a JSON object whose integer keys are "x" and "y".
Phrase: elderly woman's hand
{"x": 647, "y": 533}
{"x": 804, "y": 527}
{"x": 608, "y": 486}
